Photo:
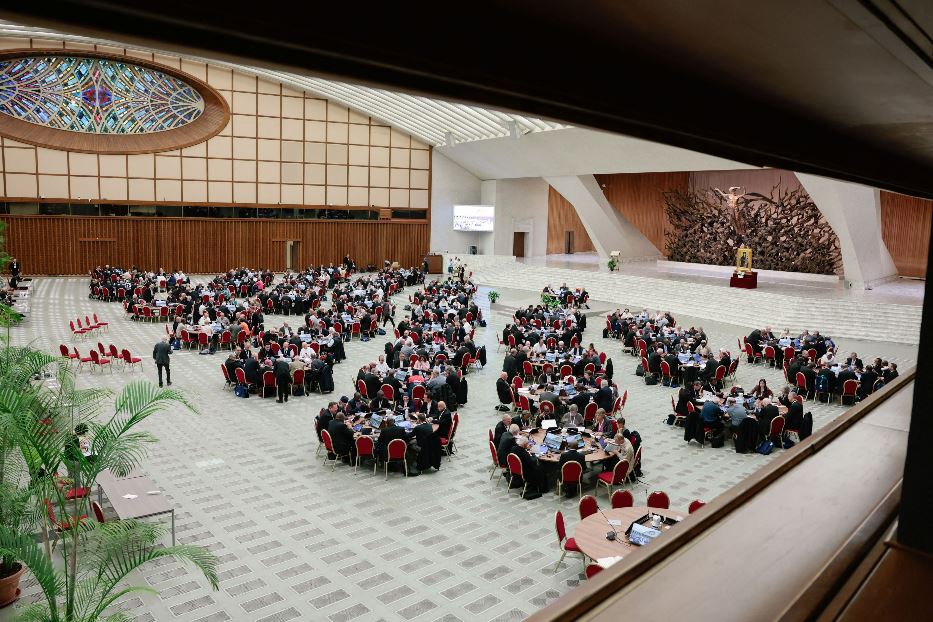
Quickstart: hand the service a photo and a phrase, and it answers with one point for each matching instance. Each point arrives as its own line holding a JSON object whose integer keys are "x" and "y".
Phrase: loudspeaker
{"x": 473, "y": 250}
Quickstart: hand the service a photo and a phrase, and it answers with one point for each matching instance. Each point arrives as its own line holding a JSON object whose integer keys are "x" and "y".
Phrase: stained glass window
{"x": 95, "y": 95}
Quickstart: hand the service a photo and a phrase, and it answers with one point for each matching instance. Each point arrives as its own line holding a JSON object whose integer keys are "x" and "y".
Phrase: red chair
{"x": 361, "y": 387}
{"x": 412, "y": 360}
{"x": 66, "y": 354}
{"x": 695, "y": 505}
{"x": 268, "y": 382}
{"x": 849, "y": 390}
{"x": 517, "y": 382}
{"x": 515, "y": 468}
{"x": 589, "y": 412}
{"x": 718, "y": 381}
{"x": 147, "y": 313}
{"x": 62, "y": 525}
{"x": 512, "y": 340}
{"x": 227, "y": 379}
{"x": 98, "y": 512}
{"x": 495, "y": 462}
{"x": 100, "y": 361}
{"x": 659, "y": 499}
{"x": 547, "y": 368}
{"x": 355, "y": 330}
{"x": 448, "y": 443}
{"x": 570, "y": 473}
{"x": 566, "y": 545}
{"x": 388, "y": 391}
{"x": 441, "y": 358}
{"x": 77, "y": 333}
{"x": 776, "y": 432}
{"x": 592, "y": 570}
{"x": 666, "y": 378}
{"x": 395, "y": 452}
{"x": 418, "y": 392}
{"x": 329, "y": 446}
{"x": 528, "y": 371}
{"x": 101, "y": 324}
{"x": 587, "y": 506}
{"x": 241, "y": 338}
{"x": 566, "y": 370}
{"x": 802, "y": 388}
{"x": 226, "y": 339}
{"x": 365, "y": 448}
{"x": 203, "y": 340}
{"x": 770, "y": 355}
{"x": 298, "y": 380}
{"x": 616, "y": 406}
{"x": 547, "y": 408}
{"x": 615, "y": 478}
{"x": 81, "y": 359}
{"x": 788, "y": 354}
{"x": 622, "y": 499}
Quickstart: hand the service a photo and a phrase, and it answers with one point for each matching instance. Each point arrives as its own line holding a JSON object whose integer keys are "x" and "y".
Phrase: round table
{"x": 588, "y": 443}
{"x": 590, "y": 533}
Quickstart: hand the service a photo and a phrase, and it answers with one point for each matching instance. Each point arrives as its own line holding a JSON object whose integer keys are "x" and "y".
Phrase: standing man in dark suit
{"x": 283, "y": 378}
{"x": 510, "y": 365}
{"x": 15, "y": 268}
{"x": 161, "y": 353}
{"x": 604, "y": 397}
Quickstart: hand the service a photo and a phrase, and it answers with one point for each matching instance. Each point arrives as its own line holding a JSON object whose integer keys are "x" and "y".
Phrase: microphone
{"x": 610, "y": 535}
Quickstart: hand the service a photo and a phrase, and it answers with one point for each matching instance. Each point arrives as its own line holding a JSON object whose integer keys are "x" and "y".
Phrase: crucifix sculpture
{"x": 732, "y": 200}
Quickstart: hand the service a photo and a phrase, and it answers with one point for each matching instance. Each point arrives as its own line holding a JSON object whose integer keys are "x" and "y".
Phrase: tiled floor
{"x": 300, "y": 541}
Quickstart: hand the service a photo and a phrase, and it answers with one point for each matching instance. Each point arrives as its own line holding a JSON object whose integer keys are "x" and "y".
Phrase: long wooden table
{"x": 590, "y": 534}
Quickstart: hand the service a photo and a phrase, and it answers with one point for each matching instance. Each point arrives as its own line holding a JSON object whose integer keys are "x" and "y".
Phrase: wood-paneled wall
{"x": 562, "y": 217}
{"x": 73, "y": 245}
{"x": 639, "y": 197}
{"x": 760, "y": 180}
{"x": 905, "y": 227}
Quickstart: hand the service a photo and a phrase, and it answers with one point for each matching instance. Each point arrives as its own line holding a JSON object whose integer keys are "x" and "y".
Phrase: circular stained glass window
{"x": 99, "y": 103}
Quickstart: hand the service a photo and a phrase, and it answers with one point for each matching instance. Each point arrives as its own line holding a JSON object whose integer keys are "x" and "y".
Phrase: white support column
{"x": 854, "y": 212}
{"x": 608, "y": 229}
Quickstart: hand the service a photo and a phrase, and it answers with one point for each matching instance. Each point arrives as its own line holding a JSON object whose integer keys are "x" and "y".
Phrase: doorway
{"x": 518, "y": 243}
{"x": 568, "y": 242}
{"x": 292, "y": 254}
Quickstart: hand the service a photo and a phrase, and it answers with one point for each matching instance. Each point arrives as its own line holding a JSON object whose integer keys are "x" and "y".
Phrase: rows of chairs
{"x": 588, "y": 506}
{"x": 101, "y": 357}
{"x": 87, "y": 328}
{"x": 521, "y": 402}
{"x": 144, "y": 313}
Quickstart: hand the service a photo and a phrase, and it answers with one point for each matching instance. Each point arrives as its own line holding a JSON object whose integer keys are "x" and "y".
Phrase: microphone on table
{"x": 610, "y": 535}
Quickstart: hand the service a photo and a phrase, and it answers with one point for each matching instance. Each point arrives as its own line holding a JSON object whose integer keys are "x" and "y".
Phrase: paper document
{"x": 605, "y": 562}
{"x": 614, "y": 522}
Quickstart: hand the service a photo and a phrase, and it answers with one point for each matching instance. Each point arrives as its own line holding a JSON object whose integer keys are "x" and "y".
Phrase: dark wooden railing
{"x": 817, "y": 511}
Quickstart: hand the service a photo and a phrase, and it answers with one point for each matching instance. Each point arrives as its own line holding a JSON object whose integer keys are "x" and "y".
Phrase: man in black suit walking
{"x": 161, "y": 353}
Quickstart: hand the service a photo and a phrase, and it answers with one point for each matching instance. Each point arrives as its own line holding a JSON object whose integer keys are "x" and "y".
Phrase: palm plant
{"x": 37, "y": 423}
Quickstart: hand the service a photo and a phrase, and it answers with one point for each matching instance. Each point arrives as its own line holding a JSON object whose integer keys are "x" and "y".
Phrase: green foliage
{"x": 493, "y": 296}
{"x": 612, "y": 264}
{"x": 550, "y": 301}
{"x": 37, "y": 420}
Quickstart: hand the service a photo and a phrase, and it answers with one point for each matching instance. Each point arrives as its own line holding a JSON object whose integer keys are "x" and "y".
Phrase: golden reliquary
{"x": 743, "y": 259}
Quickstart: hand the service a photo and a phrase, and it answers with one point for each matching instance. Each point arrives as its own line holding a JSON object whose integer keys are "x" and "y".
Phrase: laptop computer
{"x": 641, "y": 535}
{"x": 375, "y": 420}
{"x": 553, "y": 441}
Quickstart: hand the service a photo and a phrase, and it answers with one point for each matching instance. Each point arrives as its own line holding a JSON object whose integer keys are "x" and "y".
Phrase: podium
{"x": 744, "y": 280}
{"x": 435, "y": 264}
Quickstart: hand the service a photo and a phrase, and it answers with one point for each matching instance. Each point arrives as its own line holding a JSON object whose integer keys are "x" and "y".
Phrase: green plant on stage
{"x": 550, "y": 301}
{"x": 37, "y": 424}
{"x": 8, "y": 317}
{"x": 493, "y": 296}
{"x": 612, "y": 264}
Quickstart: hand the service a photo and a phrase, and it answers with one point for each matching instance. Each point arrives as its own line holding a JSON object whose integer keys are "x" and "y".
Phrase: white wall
{"x": 451, "y": 184}
{"x": 521, "y": 205}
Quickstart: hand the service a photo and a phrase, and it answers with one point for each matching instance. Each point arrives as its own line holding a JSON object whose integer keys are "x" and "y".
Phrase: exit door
{"x": 518, "y": 244}
{"x": 292, "y": 254}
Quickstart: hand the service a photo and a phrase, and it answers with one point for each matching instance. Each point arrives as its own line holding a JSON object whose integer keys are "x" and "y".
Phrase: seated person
{"x": 342, "y": 436}
{"x": 531, "y": 469}
{"x": 389, "y": 433}
{"x": 507, "y": 442}
{"x": 736, "y": 412}
{"x": 711, "y": 414}
{"x": 572, "y": 455}
{"x": 761, "y": 390}
{"x": 573, "y": 418}
{"x": 380, "y": 402}
{"x": 623, "y": 450}
{"x": 793, "y": 419}
{"x": 501, "y": 428}
{"x": 602, "y": 425}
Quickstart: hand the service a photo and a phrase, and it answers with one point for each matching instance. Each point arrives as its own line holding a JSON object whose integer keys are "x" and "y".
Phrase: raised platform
{"x": 872, "y": 315}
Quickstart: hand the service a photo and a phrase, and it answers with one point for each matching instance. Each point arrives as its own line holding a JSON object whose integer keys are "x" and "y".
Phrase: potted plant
{"x": 37, "y": 424}
{"x": 493, "y": 296}
{"x": 613, "y": 264}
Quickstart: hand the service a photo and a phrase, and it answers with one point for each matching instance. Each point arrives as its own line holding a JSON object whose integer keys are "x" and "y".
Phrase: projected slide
{"x": 474, "y": 217}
